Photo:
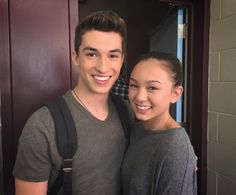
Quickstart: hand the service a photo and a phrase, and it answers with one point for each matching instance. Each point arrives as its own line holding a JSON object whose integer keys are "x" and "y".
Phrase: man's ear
{"x": 176, "y": 94}
{"x": 123, "y": 58}
{"x": 75, "y": 57}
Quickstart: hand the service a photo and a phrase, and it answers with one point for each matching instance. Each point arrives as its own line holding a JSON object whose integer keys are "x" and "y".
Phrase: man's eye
{"x": 91, "y": 55}
{"x": 114, "y": 56}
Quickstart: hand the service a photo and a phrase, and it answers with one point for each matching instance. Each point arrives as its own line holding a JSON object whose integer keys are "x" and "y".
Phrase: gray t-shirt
{"x": 96, "y": 164}
{"x": 159, "y": 163}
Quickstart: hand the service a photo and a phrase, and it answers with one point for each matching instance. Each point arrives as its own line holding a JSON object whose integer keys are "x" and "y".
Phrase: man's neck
{"x": 96, "y": 104}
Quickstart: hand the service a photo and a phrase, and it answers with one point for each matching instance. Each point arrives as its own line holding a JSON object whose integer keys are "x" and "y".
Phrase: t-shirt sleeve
{"x": 178, "y": 175}
{"x": 33, "y": 161}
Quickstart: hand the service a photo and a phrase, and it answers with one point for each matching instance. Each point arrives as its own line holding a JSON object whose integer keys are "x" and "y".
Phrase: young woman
{"x": 160, "y": 159}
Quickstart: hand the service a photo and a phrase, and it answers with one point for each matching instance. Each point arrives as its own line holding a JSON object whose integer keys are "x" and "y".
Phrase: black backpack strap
{"x": 66, "y": 138}
{"x": 55, "y": 188}
{"x": 124, "y": 115}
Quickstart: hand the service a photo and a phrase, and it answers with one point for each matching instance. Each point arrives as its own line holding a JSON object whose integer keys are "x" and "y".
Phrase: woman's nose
{"x": 141, "y": 95}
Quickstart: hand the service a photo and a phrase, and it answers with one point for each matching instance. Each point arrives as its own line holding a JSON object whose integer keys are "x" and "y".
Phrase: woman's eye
{"x": 152, "y": 88}
{"x": 133, "y": 86}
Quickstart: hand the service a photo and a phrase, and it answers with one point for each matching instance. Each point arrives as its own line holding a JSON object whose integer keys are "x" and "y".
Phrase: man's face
{"x": 99, "y": 61}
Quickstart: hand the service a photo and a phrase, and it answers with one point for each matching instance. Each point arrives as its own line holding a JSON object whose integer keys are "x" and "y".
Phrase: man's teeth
{"x": 101, "y": 78}
{"x": 142, "y": 107}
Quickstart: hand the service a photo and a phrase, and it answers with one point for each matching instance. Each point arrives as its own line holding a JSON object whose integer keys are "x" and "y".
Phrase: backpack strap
{"x": 66, "y": 138}
{"x": 124, "y": 115}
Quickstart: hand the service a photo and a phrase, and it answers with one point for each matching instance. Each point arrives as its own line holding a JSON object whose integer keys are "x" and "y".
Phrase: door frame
{"x": 197, "y": 80}
{"x": 197, "y": 101}
{"x": 8, "y": 134}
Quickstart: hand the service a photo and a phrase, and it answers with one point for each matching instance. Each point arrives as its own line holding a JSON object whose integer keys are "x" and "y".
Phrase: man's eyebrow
{"x": 95, "y": 50}
{"x": 89, "y": 49}
{"x": 115, "y": 50}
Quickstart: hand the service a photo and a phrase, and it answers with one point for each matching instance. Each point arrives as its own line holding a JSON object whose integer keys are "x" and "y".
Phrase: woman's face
{"x": 151, "y": 90}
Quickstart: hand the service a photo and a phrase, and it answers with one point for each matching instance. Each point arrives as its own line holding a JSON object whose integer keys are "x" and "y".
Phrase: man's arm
{"x": 33, "y": 162}
{"x": 29, "y": 188}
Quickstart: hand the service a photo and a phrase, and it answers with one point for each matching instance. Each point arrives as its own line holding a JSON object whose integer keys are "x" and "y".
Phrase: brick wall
{"x": 222, "y": 99}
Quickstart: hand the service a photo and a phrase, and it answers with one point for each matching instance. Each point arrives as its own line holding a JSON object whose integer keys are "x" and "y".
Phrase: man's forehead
{"x": 104, "y": 44}
{"x": 99, "y": 38}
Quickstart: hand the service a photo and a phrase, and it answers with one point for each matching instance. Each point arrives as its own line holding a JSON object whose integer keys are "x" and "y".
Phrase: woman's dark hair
{"x": 172, "y": 64}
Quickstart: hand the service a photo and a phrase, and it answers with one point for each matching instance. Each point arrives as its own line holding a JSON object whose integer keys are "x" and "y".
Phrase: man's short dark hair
{"x": 105, "y": 21}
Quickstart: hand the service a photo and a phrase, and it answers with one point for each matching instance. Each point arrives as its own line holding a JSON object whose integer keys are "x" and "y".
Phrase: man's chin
{"x": 101, "y": 92}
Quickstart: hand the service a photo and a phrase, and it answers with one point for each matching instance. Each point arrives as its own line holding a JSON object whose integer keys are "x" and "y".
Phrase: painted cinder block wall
{"x": 222, "y": 99}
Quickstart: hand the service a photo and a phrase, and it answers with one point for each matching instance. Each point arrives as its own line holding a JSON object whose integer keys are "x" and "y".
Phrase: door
{"x": 36, "y": 65}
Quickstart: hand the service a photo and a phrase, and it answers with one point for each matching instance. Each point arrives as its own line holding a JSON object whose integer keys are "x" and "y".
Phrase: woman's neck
{"x": 160, "y": 124}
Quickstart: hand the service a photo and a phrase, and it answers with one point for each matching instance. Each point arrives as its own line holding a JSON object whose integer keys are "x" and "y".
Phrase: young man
{"x": 99, "y": 53}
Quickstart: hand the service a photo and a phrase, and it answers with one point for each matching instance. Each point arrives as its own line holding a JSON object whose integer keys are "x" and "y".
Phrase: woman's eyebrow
{"x": 153, "y": 81}
{"x": 148, "y": 81}
{"x": 134, "y": 80}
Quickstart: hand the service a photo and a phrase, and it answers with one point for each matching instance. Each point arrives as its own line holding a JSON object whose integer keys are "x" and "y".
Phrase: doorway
{"x": 16, "y": 106}
{"x": 171, "y": 36}
{"x": 142, "y": 21}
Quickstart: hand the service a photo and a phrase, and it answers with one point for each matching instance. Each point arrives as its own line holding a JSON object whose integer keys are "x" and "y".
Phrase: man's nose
{"x": 102, "y": 64}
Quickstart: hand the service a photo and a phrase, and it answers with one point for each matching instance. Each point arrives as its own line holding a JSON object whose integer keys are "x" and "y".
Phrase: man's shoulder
{"x": 40, "y": 114}
{"x": 39, "y": 124}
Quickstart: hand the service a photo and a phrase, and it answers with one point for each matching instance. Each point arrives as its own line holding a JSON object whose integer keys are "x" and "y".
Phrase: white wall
{"x": 222, "y": 99}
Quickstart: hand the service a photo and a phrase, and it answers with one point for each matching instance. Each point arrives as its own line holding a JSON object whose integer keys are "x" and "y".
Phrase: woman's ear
{"x": 176, "y": 94}
{"x": 75, "y": 57}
